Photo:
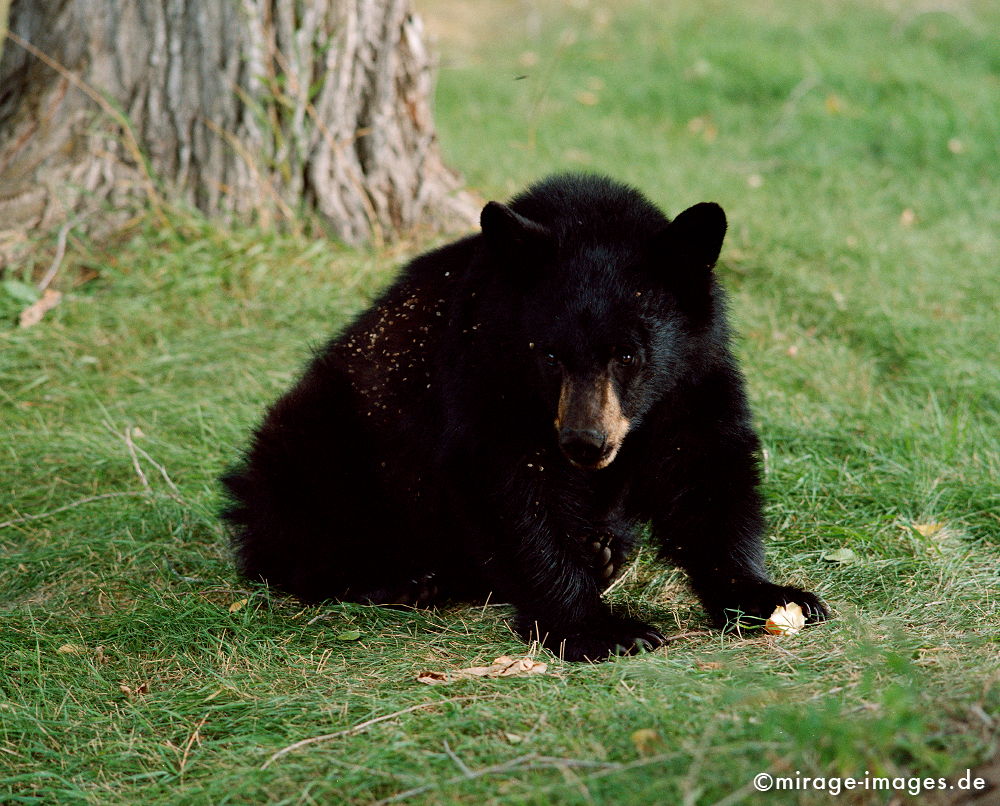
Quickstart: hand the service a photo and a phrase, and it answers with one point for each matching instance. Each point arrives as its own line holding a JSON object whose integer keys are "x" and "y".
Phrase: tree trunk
{"x": 258, "y": 108}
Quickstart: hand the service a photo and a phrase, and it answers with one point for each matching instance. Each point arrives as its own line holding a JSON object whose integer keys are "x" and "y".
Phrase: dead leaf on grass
{"x": 503, "y": 666}
{"x": 842, "y": 555}
{"x": 647, "y": 742}
{"x": 708, "y": 665}
{"x": 833, "y": 104}
{"x": 928, "y": 529}
{"x": 704, "y": 126}
{"x": 238, "y": 605}
{"x": 71, "y": 649}
{"x": 132, "y": 692}
{"x": 33, "y": 314}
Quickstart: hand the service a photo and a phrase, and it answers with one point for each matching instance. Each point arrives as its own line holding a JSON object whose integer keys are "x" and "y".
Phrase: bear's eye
{"x": 551, "y": 360}
{"x": 625, "y": 358}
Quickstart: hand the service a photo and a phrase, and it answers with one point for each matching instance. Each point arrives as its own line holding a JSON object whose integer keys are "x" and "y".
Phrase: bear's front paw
{"x": 420, "y": 591}
{"x": 751, "y": 604}
{"x": 614, "y": 636}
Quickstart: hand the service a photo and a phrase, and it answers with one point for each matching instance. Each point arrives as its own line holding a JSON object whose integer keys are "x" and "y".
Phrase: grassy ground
{"x": 855, "y": 150}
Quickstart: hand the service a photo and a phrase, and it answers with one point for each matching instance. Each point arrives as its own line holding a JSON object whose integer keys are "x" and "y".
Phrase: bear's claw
{"x": 603, "y": 556}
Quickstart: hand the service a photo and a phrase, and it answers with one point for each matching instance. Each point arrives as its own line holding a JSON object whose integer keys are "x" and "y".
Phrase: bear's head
{"x": 613, "y": 305}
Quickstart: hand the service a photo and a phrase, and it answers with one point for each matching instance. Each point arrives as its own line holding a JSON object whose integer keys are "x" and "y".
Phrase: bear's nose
{"x": 582, "y": 446}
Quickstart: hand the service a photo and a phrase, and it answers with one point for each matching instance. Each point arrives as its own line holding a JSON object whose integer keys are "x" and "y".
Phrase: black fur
{"x": 416, "y": 458}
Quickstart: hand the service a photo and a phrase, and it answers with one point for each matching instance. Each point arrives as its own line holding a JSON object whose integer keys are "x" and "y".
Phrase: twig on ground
{"x": 163, "y": 472}
{"x": 458, "y": 762}
{"x": 678, "y": 636}
{"x": 57, "y": 510}
{"x": 134, "y": 451}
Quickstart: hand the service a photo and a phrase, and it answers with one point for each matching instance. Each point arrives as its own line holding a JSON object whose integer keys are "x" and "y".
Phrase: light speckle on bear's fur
{"x": 508, "y": 414}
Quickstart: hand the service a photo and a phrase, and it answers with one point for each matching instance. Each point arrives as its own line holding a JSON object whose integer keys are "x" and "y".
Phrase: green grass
{"x": 855, "y": 151}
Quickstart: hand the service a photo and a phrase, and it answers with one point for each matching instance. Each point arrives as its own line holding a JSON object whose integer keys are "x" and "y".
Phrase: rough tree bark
{"x": 250, "y": 107}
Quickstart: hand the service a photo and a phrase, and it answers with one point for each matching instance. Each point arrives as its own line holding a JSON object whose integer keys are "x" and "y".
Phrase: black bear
{"x": 508, "y": 414}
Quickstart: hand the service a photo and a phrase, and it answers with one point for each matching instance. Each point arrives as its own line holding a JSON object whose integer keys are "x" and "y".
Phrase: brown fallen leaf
{"x": 928, "y": 529}
{"x": 239, "y": 604}
{"x": 647, "y": 742}
{"x": 708, "y": 665}
{"x": 704, "y": 126}
{"x": 33, "y": 314}
{"x": 138, "y": 691}
{"x": 504, "y": 666}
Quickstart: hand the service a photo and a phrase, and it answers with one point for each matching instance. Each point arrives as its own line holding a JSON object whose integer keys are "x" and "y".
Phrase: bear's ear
{"x": 693, "y": 240}
{"x": 512, "y": 235}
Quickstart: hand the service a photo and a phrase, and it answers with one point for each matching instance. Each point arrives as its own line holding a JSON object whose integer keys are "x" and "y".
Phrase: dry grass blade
{"x": 361, "y": 726}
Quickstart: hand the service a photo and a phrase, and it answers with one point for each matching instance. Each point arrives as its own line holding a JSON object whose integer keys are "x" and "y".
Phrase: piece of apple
{"x": 786, "y": 620}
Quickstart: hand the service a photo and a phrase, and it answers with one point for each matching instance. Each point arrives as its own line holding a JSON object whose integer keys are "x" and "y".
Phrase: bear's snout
{"x": 589, "y": 421}
{"x": 585, "y": 447}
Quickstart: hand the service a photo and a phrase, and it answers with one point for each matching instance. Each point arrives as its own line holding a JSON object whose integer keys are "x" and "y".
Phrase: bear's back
{"x": 390, "y": 351}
